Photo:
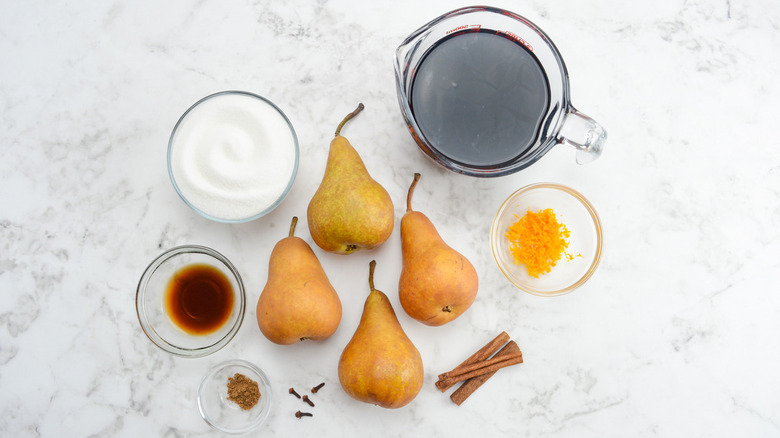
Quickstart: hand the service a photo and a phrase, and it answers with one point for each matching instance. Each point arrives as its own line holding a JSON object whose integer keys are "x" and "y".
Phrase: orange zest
{"x": 538, "y": 241}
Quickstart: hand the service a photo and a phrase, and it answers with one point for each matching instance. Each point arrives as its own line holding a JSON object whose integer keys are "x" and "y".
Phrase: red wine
{"x": 479, "y": 98}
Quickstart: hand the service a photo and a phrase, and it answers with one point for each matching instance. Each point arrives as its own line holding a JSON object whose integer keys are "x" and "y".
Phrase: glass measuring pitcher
{"x": 485, "y": 93}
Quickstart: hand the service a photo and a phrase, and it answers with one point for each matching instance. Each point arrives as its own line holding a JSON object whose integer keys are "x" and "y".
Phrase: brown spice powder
{"x": 243, "y": 391}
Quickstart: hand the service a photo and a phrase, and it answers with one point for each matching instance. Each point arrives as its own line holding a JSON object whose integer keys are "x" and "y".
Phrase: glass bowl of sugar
{"x": 233, "y": 156}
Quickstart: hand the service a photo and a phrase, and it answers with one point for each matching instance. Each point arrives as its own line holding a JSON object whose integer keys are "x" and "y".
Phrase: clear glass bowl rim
{"x": 265, "y": 382}
{"x": 596, "y": 223}
{"x": 149, "y": 330}
{"x": 292, "y": 176}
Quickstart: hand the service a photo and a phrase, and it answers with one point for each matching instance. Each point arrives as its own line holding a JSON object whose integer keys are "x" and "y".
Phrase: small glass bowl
{"x": 225, "y": 415}
{"x": 285, "y": 125}
{"x": 572, "y": 210}
{"x": 150, "y": 302}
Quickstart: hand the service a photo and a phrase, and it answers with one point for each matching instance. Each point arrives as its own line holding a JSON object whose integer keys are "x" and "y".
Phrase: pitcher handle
{"x": 584, "y": 134}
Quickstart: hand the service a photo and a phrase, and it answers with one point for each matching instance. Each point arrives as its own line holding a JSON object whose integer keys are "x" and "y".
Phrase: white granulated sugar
{"x": 233, "y": 156}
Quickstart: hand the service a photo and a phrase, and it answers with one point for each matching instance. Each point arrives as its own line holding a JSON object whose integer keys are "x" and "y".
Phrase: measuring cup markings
{"x": 471, "y": 28}
{"x": 513, "y": 36}
{"x": 554, "y": 112}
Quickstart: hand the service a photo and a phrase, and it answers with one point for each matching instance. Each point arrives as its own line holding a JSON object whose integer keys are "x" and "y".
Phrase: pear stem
{"x": 292, "y": 225}
{"x": 349, "y": 116}
{"x": 371, "y": 268}
{"x": 411, "y": 192}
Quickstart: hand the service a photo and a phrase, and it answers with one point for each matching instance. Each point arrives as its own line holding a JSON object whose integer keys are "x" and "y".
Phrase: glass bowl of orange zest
{"x": 547, "y": 239}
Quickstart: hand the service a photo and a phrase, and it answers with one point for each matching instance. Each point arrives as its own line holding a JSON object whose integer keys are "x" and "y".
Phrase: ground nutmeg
{"x": 243, "y": 391}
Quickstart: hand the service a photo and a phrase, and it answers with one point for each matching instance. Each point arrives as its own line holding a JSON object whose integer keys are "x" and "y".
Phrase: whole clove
{"x": 300, "y": 414}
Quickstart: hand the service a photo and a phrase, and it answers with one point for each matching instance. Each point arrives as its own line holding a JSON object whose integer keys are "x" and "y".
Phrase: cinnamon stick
{"x": 483, "y": 353}
{"x": 469, "y": 386}
{"x": 479, "y": 365}
{"x": 488, "y": 366}
{"x": 486, "y": 351}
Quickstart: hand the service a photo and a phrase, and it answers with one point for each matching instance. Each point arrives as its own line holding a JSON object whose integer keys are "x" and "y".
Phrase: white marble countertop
{"x": 675, "y": 335}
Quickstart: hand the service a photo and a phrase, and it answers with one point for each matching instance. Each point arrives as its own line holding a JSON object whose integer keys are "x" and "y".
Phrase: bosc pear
{"x": 298, "y": 301}
{"x": 437, "y": 283}
{"x": 350, "y": 210}
{"x": 380, "y": 364}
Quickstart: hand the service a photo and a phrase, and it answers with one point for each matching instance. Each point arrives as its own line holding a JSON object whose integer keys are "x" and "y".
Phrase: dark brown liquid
{"x": 479, "y": 98}
{"x": 199, "y": 299}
